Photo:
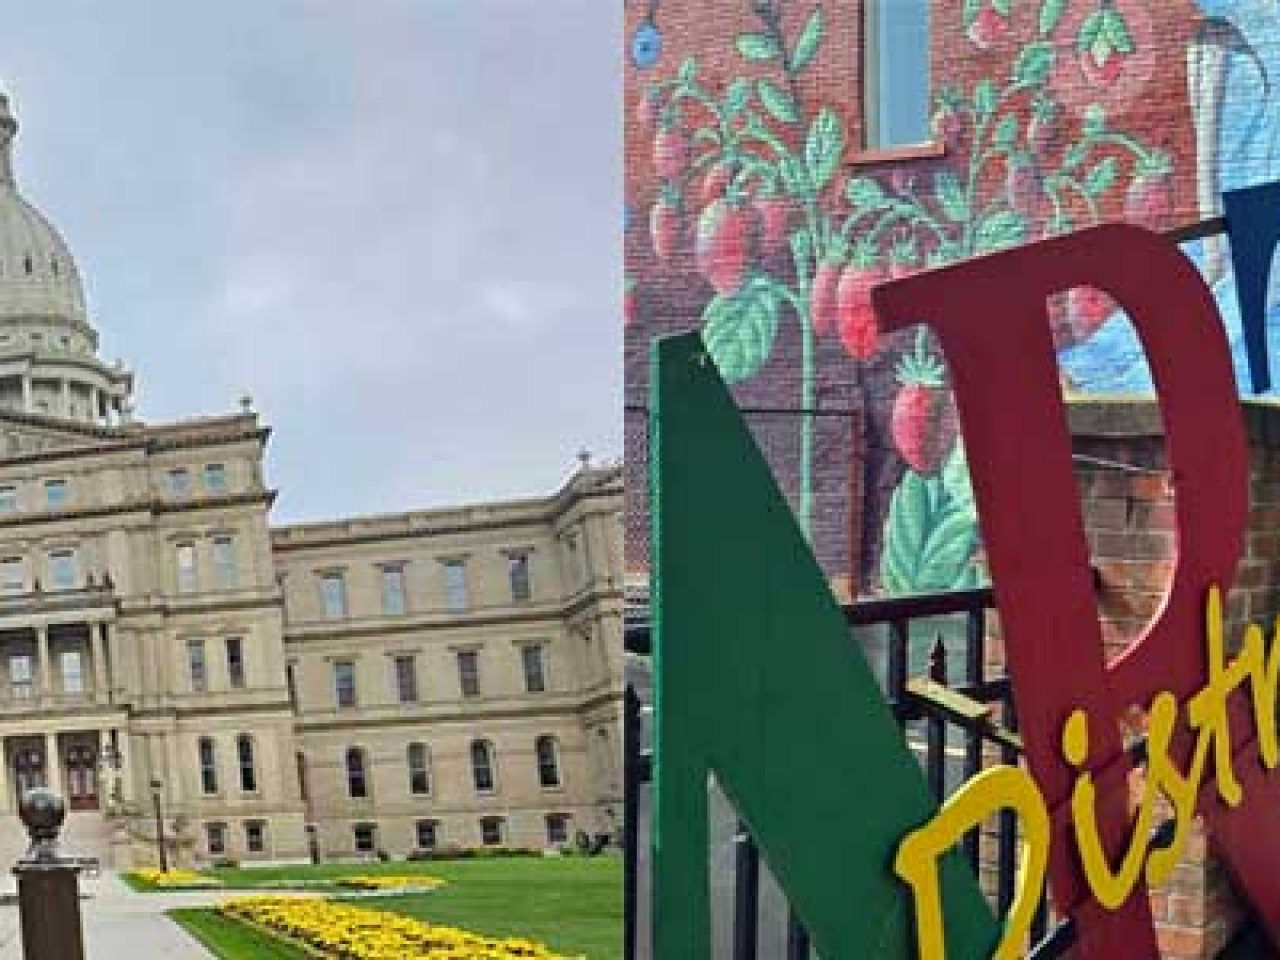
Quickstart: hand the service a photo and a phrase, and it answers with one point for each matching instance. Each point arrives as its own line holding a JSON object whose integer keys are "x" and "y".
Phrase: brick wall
{"x": 1127, "y": 502}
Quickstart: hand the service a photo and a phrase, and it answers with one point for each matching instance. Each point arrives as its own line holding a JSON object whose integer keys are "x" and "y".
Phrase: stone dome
{"x": 38, "y": 278}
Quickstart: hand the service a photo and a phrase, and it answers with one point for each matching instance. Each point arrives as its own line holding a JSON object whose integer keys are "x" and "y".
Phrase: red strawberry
{"x": 665, "y": 226}
{"x": 822, "y": 297}
{"x": 728, "y": 236}
{"x": 855, "y": 318}
{"x": 1023, "y": 184}
{"x": 1103, "y": 45}
{"x": 670, "y": 153}
{"x": 988, "y": 27}
{"x": 1102, "y": 72}
{"x": 716, "y": 182}
{"x": 1149, "y": 201}
{"x": 1087, "y": 309}
{"x": 775, "y": 217}
{"x": 923, "y": 422}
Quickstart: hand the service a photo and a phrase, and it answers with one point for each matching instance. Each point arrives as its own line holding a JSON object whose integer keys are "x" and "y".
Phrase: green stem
{"x": 1070, "y": 182}
{"x": 1121, "y": 140}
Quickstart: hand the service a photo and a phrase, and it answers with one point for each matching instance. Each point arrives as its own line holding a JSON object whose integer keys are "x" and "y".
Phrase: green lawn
{"x": 230, "y": 940}
{"x": 573, "y": 904}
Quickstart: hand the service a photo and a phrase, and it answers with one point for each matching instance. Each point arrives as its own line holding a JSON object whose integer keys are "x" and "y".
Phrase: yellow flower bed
{"x": 346, "y": 932}
{"x": 176, "y": 879}
{"x": 420, "y": 882}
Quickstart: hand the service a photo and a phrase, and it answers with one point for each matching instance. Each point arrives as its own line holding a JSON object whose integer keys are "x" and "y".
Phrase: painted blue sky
{"x": 395, "y": 223}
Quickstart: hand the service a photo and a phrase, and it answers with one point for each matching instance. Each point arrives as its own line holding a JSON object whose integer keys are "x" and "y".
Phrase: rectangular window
{"x": 393, "y": 590}
{"x": 62, "y": 570}
{"x": 518, "y": 575}
{"x": 455, "y": 585}
{"x": 235, "y": 662}
{"x": 366, "y": 837}
{"x": 469, "y": 672}
{"x": 255, "y": 836}
{"x": 215, "y": 835}
{"x": 427, "y": 834}
{"x": 208, "y": 766}
{"x": 244, "y": 757}
{"x": 224, "y": 562}
{"x": 56, "y": 494}
{"x": 407, "y": 678}
{"x": 13, "y": 576}
{"x": 344, "y": 683}
{"x": 535, "y": 678}
{"x": 196, "y": 664}
{"x": 215, "y": 478}
{"x": 72, "y": 666}
{"x": 8, "y": 498}
{"x": 333, "y": 595}
{"x": 491, "y": 831}
{"x": 186, "y": 559}
{"x": 179, "y": 482}
{"x": 20, "y": 675}
{"x": 896, "y": 72}
{"x": 557, "y": 828}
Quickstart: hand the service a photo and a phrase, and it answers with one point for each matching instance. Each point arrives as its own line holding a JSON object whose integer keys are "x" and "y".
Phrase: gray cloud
{"x": 395, "y": 223}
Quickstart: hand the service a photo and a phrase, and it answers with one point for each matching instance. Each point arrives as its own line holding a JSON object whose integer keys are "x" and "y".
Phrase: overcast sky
{"x": 396, "y": 223}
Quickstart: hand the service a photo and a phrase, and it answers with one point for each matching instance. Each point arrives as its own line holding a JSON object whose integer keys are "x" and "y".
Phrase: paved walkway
{"x": 119, "y": 923}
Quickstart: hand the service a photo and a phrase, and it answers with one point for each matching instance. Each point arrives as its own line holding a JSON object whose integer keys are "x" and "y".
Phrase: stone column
{"x": 126, "y": 765}
{"x": 53, "y": 763}
{"x": 46, "y": 667}
{"x": 26, "y": 392}
{"x": 101, "y": 686}
{"x": 66, "y": 398}
{"x": 173, "y": 773}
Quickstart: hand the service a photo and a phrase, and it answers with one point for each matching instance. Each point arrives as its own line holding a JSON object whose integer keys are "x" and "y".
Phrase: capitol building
{"x": 422, "y": 680}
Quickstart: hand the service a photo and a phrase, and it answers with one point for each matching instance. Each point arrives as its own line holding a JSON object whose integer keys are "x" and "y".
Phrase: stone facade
{"x": 171, "y": 662}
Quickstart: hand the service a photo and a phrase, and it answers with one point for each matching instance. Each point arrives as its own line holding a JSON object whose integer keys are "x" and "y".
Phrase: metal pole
{"x": 155, "y": 796}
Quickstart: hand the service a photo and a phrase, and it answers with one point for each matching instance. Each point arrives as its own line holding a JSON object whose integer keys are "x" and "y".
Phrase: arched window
{"x": 419, "y": 769}
{"x": 357, "y": 780}
{"x": 548, "y": 761}
{"x": 244, "y": 756}
{"x": 208, "y": 766}
{"x": 482, "y": 765}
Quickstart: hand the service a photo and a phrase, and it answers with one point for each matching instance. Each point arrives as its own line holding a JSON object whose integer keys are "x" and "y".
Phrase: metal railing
{"x": 954, "y": 705}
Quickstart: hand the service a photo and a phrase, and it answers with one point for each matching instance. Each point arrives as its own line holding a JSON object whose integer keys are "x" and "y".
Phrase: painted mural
{"x": 754, "y": 215}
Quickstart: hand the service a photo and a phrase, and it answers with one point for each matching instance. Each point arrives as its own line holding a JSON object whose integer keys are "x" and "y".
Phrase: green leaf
{"x": 758, "y": 46}
{"x": 1002, "y": 7}
{"x": 736, "y": 97}
{"x": 1050, "y": 15}
{"x": 1116, "y": 30}
{"x": 824, "y": 147}
{"x": 971, "y": 10}
{"x": 778, "y": 102}
{"x": 1090, "y": 31}
{"x": 739, "y": 331}
{"x": 1101, "y": 178}
{"x": 1000, "y": 230}
{"x": 1006, "y": 131}
{"x": 984, "y": 98}
{"x": 1073, "y": 156}
{"x": 1033, "y": 65}
{"x": 863, "y": 193}
{"x": 1094, "y": 120}
{"x": 810, "y": 40}
{"x": 955, "y": 478}
{"x": 689, "y": 70}
{"x": 929, "y": 538}
{"x": 795, "y": 180}
{"x": 951, "y": 196}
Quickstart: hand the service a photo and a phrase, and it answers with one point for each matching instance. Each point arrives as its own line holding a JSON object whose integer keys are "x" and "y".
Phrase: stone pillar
{"x": 173, "y": 772}
{"x": 66, "y": 398}
{"x": 101, "y": 685}
{"x": 126, "y": 765}
{"x": 26, "y": 393}
{"x": 46, "y": 662}
{"x": 53, "y": 763}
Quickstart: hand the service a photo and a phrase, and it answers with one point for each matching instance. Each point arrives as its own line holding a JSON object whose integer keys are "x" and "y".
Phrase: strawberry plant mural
{"x": 754, "y": 187}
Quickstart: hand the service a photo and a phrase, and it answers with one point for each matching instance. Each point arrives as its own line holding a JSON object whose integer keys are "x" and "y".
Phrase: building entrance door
{"x": 28, "y": 770}
{"x": 82, "y": 778}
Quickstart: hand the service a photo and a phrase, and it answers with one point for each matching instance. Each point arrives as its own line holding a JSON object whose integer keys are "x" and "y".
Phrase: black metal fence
{"x": 954, "y": 705}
